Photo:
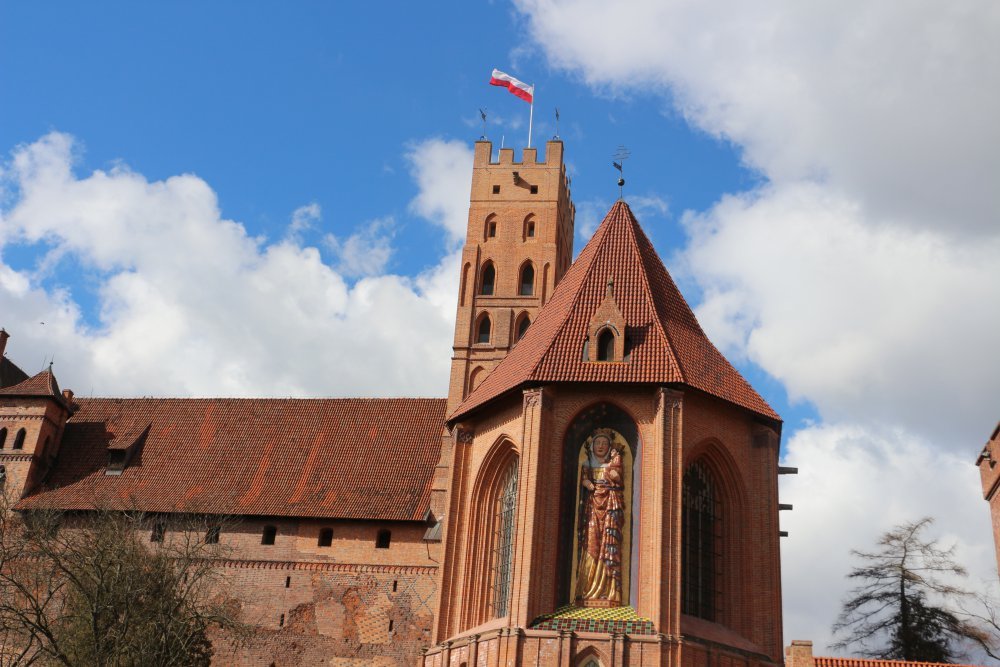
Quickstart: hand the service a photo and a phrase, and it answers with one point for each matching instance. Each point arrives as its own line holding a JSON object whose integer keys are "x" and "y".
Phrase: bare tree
{"x": 92, "y": 589}
{"x": 906, "y": 606}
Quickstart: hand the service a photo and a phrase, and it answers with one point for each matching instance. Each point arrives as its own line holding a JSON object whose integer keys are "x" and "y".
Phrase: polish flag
{"x": 519, "y": 88}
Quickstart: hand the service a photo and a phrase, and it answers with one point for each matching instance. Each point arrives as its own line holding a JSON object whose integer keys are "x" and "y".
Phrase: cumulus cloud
{"x": 442, "y": 170}
{"x": 190, "y": 304}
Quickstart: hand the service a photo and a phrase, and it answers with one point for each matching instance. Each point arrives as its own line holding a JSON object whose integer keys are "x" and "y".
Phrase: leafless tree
{"x": 91, "y": 588}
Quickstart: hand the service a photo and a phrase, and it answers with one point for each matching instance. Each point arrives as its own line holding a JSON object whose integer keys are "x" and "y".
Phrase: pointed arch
{"x": 713, "y": 502}
{"x": 487, "y": 278}
{"x": 476, "y": 378}
{"x": 492, "y": 535}
{"x": 3, "y": 436}
{"x": 590, "y": 657}
{"x": 606, "y": 345}
{"x": 526, "y": 279}
{"x": 19, "y": 439}
{"x": 521, "y": 325}
{"x": 484, "y": 329}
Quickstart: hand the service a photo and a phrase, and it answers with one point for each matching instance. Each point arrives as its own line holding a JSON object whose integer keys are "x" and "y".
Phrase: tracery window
{"x": 700, "y": 540}
{"x": 503, "y": 550}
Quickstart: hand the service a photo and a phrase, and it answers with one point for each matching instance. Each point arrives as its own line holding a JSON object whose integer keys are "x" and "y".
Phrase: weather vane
{"x": 618, "y": 161}
{"x": 557, "y": 124}
{"x": 482, "y": 114}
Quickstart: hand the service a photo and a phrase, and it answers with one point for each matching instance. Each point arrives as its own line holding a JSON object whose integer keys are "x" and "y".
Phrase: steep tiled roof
{"x": 866, "y": 662}
{"x": 667, "y": 343}
{"x": 10, "y": 374}
{"x": 334, "y": 458}
{"x": 42, "y": 385}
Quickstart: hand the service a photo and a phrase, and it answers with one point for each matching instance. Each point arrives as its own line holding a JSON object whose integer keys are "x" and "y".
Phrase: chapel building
{"x": 599, "y": 487}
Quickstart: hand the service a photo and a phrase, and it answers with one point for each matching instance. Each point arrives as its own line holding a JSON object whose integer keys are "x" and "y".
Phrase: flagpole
{"x": 531, "y": 113}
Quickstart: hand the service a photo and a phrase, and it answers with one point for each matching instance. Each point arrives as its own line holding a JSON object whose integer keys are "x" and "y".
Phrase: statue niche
{"x": 599, "y": 497}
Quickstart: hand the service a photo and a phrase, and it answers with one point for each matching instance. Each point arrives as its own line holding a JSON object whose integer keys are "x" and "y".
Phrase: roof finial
{"x": 618, "y": 162}
{"x": 482, "y": 114}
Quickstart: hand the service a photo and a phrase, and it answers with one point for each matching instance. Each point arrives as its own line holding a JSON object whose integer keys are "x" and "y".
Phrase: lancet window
{"x": 503, "y": 540}
{"x": 700, "y": 541}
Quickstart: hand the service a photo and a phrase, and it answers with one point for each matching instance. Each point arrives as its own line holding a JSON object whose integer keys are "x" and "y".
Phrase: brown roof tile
{"x": 333, "y": 458}
{"x": 867, "y": 662}
{"x": 42, "y": 385}
{"x": 667, "y": 343}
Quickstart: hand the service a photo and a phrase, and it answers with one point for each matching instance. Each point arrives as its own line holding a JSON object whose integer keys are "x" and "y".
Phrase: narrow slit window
{"x": 281, "y": 621}
{"x": 19, "y": 439}
{"x": 527, "y": 280}
{"x": 522, "y": 327}
{"x": 3, "y": 477}
{"x": 488, "y": 280}
{"x": 485, "y": 328}
{"x": 383, "y": 539}
{"x": 534, "y": 189}
{"x": 496, "y": 189}
{"x": 267, "y": 537}
{"x": 530, "y": 231}
{"x": 395, "y": 585}
{"x": 606, "y": 346}
{"x": 492, "y": 231}
{"x": 325, "y": 537}
{"x": 288, "y": 582}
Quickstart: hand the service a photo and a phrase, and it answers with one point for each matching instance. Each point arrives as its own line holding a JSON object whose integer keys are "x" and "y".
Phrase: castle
{"x": 599, "y": 488}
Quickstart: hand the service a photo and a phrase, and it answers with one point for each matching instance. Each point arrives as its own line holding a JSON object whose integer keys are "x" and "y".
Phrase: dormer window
{"x": 488, "y": 279}
{"x": 605, "y": 335}
{"x": 116, "y": 462}
{"x": 19, "y": 439}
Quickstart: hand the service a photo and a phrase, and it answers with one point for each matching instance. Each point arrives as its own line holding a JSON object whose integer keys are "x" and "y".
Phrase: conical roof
{"x": 667, "y": 345}
{"x": 43, "y": 384}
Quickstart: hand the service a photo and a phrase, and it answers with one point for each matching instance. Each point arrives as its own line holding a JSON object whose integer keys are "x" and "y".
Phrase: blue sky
{"x": 214, "y": 198}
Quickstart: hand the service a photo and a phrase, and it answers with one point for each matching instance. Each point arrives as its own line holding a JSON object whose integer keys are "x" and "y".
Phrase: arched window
{"x": 325, "y": 538}
{"x": 484, "y": 329}
{"x": 3, "y": 477}
{"x": 606, "y": 346}
{"x": 19, "y": 439}
{"x": 700, "y": 540}
{"x": 488, "y": 279}
{"x": 383, "y": 539}
{"x": 522, "y": 326}
{"x": 527, "y": 280}
{"x": 267, "y": 537}
{"x": 490, "y": 230}
{"x": 3, "y": 437}
{"x": 503, "y": 550}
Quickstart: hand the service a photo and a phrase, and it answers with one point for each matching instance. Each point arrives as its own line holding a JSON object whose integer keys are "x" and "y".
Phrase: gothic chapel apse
{"x": 599, "y": 487}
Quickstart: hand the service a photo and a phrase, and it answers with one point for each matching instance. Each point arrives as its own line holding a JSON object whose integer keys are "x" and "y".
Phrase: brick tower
{"x": 610, "y": 488}
{"x": 518, "y": 245}
{"x": 990, "y": 476}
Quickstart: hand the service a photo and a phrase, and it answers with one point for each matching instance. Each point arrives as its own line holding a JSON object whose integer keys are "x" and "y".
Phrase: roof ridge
{"x": 635, "y": 230}
{"x": 592, "y": 246}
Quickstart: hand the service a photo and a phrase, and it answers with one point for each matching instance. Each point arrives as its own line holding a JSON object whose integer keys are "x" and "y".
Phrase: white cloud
{"x": 872, "y": 323}
{"x": 443, "y": 172}
{"x": 893, "y": 102}
{"x": 191, "y": 305}
{"x": 365, "y": 252}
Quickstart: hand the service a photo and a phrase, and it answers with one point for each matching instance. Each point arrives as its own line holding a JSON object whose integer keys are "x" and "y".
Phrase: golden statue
{"x": 599, "y": 567}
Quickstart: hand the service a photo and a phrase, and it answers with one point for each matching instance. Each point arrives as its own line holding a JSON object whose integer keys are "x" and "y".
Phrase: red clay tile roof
{"x": 332, "y": 458}
{"x": 866, "y": 662}
{"x": 668, "y": 344}
{"x": 43, "y": 385}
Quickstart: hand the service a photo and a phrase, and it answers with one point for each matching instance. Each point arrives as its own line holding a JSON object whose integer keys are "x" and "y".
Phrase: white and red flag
{"x": 519, "y": 88}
